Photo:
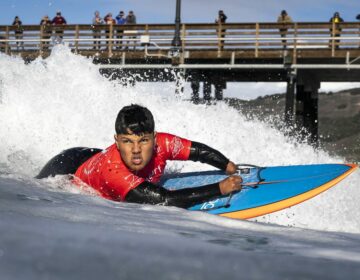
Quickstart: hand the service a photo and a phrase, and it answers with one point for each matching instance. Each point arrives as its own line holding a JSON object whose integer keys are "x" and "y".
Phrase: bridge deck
{"x": 200, "y": 43}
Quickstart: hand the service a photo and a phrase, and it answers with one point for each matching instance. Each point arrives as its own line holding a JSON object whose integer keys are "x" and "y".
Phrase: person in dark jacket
{"x": 221, "y": 19}
{"x": 131, "y": 19}
{"x": 59, "y": 20}
{"x": 284, "y": 19}
{"x": 18, "y": 32}
{"x": 120, "y": 20}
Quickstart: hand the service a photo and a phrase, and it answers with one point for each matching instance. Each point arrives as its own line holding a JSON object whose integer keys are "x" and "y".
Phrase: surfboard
{"x": 265, "y": 189}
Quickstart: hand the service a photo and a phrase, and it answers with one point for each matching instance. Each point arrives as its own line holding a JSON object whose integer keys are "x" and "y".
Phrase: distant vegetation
{"x": 339, "y": 119}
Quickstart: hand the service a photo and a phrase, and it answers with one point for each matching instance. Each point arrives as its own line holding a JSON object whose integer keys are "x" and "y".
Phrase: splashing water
{"x": 61, "y": 102}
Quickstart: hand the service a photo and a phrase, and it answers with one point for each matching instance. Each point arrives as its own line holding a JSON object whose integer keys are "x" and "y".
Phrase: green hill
{"x": 339, "y": 119}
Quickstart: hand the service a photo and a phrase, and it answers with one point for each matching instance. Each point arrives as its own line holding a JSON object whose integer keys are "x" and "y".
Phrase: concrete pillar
{"x": 195, "y": 86}
{"x": 179, "y": 83}
{"x": 289, "y": 98}
{"x": 219, "y": 89}
{"x": 207, "y": 90}
{"x": 307, "y": 116}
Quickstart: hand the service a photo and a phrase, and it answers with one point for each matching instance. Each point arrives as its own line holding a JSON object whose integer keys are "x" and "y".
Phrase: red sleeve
{"x": 118, "y": 181}
{"x": 176, "y": 148}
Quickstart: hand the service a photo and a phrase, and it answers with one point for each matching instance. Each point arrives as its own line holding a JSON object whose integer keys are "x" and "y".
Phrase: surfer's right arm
{"x": 148, "y": 193}
{"x": 205, "y": 154}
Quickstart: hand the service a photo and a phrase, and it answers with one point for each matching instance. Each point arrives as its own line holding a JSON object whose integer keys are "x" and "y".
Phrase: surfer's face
{"x": 135, "y": 150}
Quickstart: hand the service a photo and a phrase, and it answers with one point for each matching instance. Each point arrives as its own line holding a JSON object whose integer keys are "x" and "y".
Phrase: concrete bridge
{"x": 303, "y": 54}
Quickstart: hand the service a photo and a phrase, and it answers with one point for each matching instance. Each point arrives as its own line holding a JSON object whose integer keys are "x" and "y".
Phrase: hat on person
{"x": 283, "y": 12}
{"x": 58, "y": 13}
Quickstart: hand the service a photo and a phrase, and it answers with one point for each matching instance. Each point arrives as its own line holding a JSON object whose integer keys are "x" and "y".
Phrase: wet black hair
{"x": 134, "y": 119}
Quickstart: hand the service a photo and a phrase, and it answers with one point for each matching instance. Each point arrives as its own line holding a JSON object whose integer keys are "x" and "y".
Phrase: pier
{"x": 304, "y": 55}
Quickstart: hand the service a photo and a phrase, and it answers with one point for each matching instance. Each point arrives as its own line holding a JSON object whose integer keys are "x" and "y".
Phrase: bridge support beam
{"x": 289, "y": 98}
{"x": 179, "y": 82}
{"x": 208, "y": 81}
{"x": 195, "y": 86}
{"x": 219, "y": 85}
{"x": 207, "y": 90}
{"x": 307, "y": 116}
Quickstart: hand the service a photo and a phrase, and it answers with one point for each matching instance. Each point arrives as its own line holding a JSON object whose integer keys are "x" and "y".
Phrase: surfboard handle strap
{"x": 243, "y": 168}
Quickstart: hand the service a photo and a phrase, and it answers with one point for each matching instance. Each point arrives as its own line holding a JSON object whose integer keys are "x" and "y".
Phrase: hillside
{"x": 339, "y": 118}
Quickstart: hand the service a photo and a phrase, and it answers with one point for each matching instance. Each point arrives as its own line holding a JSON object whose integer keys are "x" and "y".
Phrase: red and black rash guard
{"x": 107, "y": 173}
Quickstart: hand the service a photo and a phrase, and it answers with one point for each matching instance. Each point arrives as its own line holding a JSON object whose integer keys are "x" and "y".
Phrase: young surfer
{"x": 130, "y": 169}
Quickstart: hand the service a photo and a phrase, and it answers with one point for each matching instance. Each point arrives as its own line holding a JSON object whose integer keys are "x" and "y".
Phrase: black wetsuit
{"x": 70, "y": 160}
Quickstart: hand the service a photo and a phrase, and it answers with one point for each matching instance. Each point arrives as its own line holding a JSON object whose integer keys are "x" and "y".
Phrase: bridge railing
{"x": 155, "y": 39}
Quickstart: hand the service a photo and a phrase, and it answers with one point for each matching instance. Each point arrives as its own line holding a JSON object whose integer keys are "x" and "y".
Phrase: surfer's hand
{"x": 231, "y": 168}
{"x": 230, "y": 184}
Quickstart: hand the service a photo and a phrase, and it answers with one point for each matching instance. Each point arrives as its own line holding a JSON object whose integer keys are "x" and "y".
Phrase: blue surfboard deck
{"x": 274, "y": 188}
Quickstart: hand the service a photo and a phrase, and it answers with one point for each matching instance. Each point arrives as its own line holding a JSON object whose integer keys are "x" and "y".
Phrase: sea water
{"x": 50, "y": 229}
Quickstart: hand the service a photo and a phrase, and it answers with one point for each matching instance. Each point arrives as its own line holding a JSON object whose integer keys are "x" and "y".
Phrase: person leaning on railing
{"x": 131, "y": 19}
{"x": 220, "y": 20}
{"x": 108, "y": 19}
{"x": 18, "y": 32}
{"x": 120, "y": 20}
{"x": 335, "y": 21}
{"x": 46, "y": 33}
{"x": 97, "y": 20}
{"x": 284, "y": 18}
{"x": 59, "y": 20}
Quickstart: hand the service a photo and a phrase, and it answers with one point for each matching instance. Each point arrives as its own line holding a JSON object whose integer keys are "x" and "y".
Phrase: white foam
{"x": 61, "y": 102}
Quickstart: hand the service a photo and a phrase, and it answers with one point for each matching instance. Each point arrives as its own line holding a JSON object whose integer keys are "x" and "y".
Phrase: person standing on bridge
{"x": 45, "y": 24}
{"x": 284, "y": 19}
{"x": 131, "y": 19}
{"x": 130, "y": 169}
{"x": 97, "y": 20}
{"x": 18, "y": 32}
{"x": 120, "y": 20}
{"x": 108, "y": 19}
{"x": 335, "y": 29}
{"x": 221, "y": 19}
{"x": 59, "y": 20}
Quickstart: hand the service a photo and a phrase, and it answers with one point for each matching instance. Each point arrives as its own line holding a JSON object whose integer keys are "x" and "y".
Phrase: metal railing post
{"x": 183, "y": 35}
{"x": 77, "y": 37}
{"x": 111, "y": 36}
{"x": 7, "y": 35}
{"x": 333, "y": 40}
{"x": 257, "y": 26}
{"x": 295, "y": 43}
{"x": 219, "y": 36}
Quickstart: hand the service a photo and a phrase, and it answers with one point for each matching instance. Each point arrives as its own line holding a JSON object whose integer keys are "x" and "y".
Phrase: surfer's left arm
{"x": 205, "y": 154}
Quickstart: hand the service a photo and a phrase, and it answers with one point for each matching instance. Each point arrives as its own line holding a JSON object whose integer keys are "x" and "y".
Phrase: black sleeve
{"x": 205, "y": 154}
{"x": 148, "y": 193}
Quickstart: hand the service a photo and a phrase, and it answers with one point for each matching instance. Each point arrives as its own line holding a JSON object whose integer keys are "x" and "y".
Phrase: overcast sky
{"x": 163, "y": 11}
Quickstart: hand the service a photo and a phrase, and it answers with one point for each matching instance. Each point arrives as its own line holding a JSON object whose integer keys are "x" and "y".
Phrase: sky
{"x": 192, "y": 11}
{"x": 163, "y": 11}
